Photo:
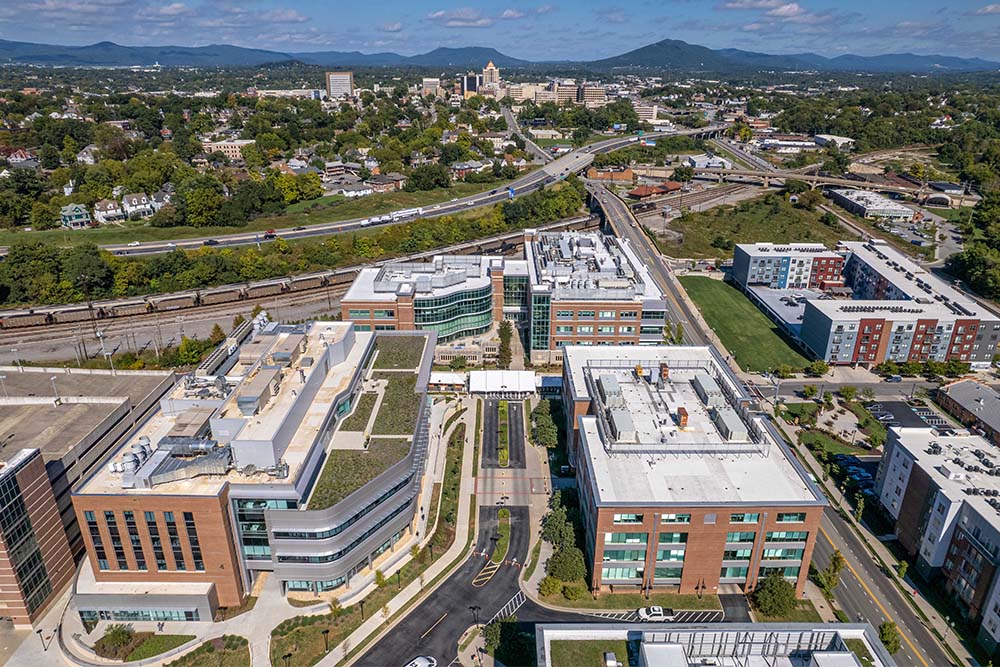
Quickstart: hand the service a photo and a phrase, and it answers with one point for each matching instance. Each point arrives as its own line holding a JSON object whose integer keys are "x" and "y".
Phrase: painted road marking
{"x": 508, "y": 609}
{"x": 434, "y": 626}
{"x": 486, "y": 574}
{"x": 902, "y": 634}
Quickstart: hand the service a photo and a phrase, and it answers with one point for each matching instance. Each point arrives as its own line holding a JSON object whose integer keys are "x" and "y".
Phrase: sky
{"x": 557, "y": 30}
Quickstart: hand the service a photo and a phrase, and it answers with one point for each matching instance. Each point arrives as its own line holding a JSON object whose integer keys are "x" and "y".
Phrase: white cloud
{"x": 752, "y": 27}
{"x": 463, "y": 17}
{"x": 544, "y": 9}
{"x": 788, "y": 10}
{"x": 392, "y": 27}
{"x": 510, "y": 14}
{"x": 988, "y": 9}
{"x": 751, "y": 4}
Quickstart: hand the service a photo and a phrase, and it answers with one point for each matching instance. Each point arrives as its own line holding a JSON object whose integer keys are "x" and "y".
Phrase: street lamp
{"x": 41, "y": 639}
{"x": 55, "y": 390}
{"x": 286, "y": 658}
{"x": 475, "y": 613}
{"x": 326, "y": 641}
{"x": 362, "y": 603}
{"x": 4, "y": 385}
{"x": 17, "y": 359}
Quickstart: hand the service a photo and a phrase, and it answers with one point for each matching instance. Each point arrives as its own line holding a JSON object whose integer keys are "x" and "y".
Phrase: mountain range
{"x": 668, "y": 54}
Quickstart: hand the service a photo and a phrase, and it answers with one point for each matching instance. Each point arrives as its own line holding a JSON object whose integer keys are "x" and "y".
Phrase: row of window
{"x": 92, "y": 616}
{"x": 735, "y": 537}
{"x": 600, "y": 314}
{"x": 364, "y": 314}
{"x": 135, "y": 543}
{"x": 630, "y": 555}
{"x": 589, "y": 330}
{"x": 745, "y": 517}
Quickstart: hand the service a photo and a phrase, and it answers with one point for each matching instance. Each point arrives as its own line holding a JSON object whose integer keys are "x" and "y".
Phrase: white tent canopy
{"x": 502, "y": 383}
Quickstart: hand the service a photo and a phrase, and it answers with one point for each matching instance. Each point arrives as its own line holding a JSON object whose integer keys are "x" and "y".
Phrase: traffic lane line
{"x": 878, "y": 604}
{"x": 436, "y": 623}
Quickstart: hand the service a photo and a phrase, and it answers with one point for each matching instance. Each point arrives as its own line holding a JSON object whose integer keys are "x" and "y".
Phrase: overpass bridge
{"x": 814, "y": 180}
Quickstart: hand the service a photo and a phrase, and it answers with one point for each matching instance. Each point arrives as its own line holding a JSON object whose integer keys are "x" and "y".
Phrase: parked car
{"x": 656, "y": 614}
{"x": 894, "y": 378}
{"x": 423, "y": 661}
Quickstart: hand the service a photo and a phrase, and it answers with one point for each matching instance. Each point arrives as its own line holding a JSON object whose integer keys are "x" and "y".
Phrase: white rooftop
{"x": 491, "y": 382}
{"x": 787, "y": 249}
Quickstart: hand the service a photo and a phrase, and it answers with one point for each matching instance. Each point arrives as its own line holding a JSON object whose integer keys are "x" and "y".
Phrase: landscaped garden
{"x": 746, "y": 333}
{"x": 400, "y": 404}
{"x": 358, "y": 420}
{"x": 225, "y": 651}
{"x": 347, "y": 470}
{"x": 503, "y": 437}
{"x": 302, "y": 639}
{"x": 503, "y": 536}
{"x": 398, "y": 352}
{"x": 588, "y": 652}
{"x": 122, "y": 642}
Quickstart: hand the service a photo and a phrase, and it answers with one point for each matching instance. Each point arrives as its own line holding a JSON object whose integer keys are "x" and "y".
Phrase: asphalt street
{"x": 865, "y": 593}
{"x": 490, "y": 434}
{"x": 515, "y": 433}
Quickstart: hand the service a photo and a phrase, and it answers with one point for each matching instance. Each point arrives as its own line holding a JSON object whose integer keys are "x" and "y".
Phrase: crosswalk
{"x": 510, "y": 608}
{"x": 681, "y": 616}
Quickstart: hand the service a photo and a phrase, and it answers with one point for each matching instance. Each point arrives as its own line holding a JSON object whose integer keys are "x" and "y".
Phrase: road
{"x": 746, "y": 156}
{"x": 624, "y": 225}
{"x": 867, "y": 594}
{"x": 530, "y": 145}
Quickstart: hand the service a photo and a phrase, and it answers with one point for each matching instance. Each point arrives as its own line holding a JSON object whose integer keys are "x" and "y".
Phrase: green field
{"x": 315, "y": 212}
{"x": 804, "y": 612}
{"x": 746, "y": 332}
{"x": 711, "y": 233}
{"x": 607, "y": 600}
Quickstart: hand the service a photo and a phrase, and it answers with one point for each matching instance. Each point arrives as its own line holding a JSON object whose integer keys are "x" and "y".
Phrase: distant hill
{"x": 675, "y": 54}
{"x": 669, "y": 54}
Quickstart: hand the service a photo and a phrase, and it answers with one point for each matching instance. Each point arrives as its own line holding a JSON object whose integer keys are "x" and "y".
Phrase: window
{"x": 564, "y": 329}
{"x": 116, "y": 539}
{"x": 95, "y": 538}
{"x": 154, "y": 537}
{"x": 787, "y": 572}
{"x": 787, "y": 536}
{"x": 192, "y": 533}
{"x": 744, "y": 518}
{"x": 175, "y": 541}
{"x": 585, "y": 330}
{"x": 626, "y": 330}
{"x": 630, "y": 314}
{"x": 624, "y": 556}
{"x": 617, "y": 573}
{"x": 606, "y": 315}
{"x": 606, "y": 331}
{"x": 738, "y": 537}
{"x": 133, "y": 536}
{"x": 362, "y": 327}
{"x": 733, "y": 573}
{"x": 791, "y": 517}
{"x": 385, "y": 327}
{"x": 737, "y": 554}
{"x": 383, "y": 314}
{"x": 564, "y": 314}
{"x": 676, "y": 518}
{"x": 352, "y": 313}
{"x": 668, "y": 572}
{"x": 585, "y": 314}
{"x": 710, "y": 518}
{"x": 625, "y": 538}
{"x": 673, "y": 538}
{"x": 782, "y": 554}
{"x": 628, "y": 518}
{"x": 675, "y": 555}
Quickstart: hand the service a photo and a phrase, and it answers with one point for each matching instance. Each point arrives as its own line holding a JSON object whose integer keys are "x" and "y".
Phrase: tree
{"x": 48, "y": 156}
{"x": 491, "y": 636}
{"x": 683, "y": 173}
{"x": 190, "y": 351}
{"x": 217, "y": 335}
{"x": 827, "y": 400}
{"x": 775, "y": 596}
{"x": 380, "y": 579}
{"x": 549, "y": 586}
{"x": 458, "y": 363}
{"x": 810, "y": 199}
{"x": 888, "y": 633}
{"x": 830, "y": 577}
{"x": 902, "y": 569}
{"x": 567, "y": 564}
{"x": 238, "y": 320}
{"x": 818, "y": 368}
{"x": 848, "y": 393}
{"x": 118, "y": 635}
{"x": 429, "y": 177}
{"x": 505, "y": 332}
{"x": 809, "y": 391}
{"x": 859, "y": 507}
{"x": 44, "y": 216}
{"x": 867, "y": 394}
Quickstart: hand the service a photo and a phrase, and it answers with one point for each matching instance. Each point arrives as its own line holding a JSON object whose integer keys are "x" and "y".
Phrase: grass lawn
{"x": 533, "y": 560}
{"x": 820, "y": 440}
{"x": 347, "y": 470}
{"x": 744, "y": 330}
{"x": 157, "y": 644}
{"x": 398, "y": 413}
{"x": 873, "y": 428}
{"x": 362, "y": 411}
{"x": 302, "y": 636}
{"x": 804, "y": 612}
{"x": 769, "y": 217}
{"x": 952, "y": 214}
{"x": 635, "y": 600}
{"x": 858, "y": 648}
{"x": 805, "y": 412}
{"x": 398, "y": 352}
{"x": 225, "y": 651}
{"x": 503, "y": 439}
{"x": 317, "y": 211}
{"x": 503, "y": 541}
{"x": 588, "y": 652}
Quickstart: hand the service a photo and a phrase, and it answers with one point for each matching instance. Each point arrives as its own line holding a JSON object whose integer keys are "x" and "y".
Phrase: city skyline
{"x": 588, "y": 30}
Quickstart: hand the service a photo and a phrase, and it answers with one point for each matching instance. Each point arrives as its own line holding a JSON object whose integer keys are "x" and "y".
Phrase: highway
{"x": 746, "y": 156}
{"x": 624, "y": 226}
{"x": 530, "y": 145}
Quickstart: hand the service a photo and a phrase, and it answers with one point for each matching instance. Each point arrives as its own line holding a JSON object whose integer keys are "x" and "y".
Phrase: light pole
{"x": 475, "y": 613}
{"x": 55, "y": 390}
{"x": 17, "y": 359}
{"x": 4, "y": 385}
{"x": 100, "y": 338}
{"x": 326, "y": 641}
{"x": 111, "y": 360}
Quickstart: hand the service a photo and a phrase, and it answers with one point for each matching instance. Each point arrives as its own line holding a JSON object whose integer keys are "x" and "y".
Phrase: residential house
{"x": 74, "y": 216}
{"x": 353, "y": 190}
{"x": 137, "y": 206}
{"x": 108, "y": 210}
{"x": 449, "y": 137}
{"x": 166, "y": 134}
{"x": 390, "y": 182}
{"x": 161, "y": 198}
{"x": 333, "y": 169}
{"x": 460, "y": 170}
{"x": 88, "y": 155}
{"x": 17, "y": 156}
{"x": 497, "y": 139}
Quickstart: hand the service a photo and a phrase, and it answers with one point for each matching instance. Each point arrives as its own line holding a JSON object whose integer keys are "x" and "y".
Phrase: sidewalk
{"x": 837, "y": 499}
{"x": 376, "y": 624}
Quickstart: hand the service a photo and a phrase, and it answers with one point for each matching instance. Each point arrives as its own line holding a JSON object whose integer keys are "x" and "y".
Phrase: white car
{"x": 656, "y": 614}
{"x": 454, "y": 198}
{"x": 133, "y": 244}
{"x": 422, "y": 661}
{"x": 171, "y": 245}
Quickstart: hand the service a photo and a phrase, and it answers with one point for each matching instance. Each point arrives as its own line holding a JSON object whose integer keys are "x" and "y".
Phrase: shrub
{"x": 574, "y": 591}
{"x": 774, "y": 596}
{"x": 567, "y": 564}
{"x": 549, "y": 586}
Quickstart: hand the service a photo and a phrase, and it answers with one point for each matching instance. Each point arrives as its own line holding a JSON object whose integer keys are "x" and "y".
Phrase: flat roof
{"x": 588, "y": 266}
{"x": 788, "y": 249}
{"x": 638, "y": 452}
{"x": 787, "y": 304}
{"x": 31, "y": 419}
{"x": 265, "y": 425}
{"x": 443, "y": 275}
